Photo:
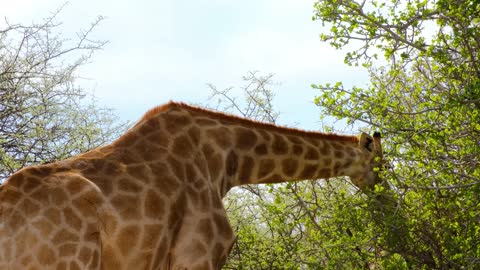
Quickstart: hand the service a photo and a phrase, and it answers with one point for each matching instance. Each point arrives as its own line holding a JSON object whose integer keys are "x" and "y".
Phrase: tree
{"x": 424, "y": 95}
{"x": 44, "y": 115}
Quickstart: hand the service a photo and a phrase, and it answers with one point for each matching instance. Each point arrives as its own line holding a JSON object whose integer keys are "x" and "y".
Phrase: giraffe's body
{"x": 153, "y": 198}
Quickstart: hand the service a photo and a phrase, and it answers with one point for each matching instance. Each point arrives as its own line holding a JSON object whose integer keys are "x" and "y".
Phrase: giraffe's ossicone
{"x": 152, "y": 199}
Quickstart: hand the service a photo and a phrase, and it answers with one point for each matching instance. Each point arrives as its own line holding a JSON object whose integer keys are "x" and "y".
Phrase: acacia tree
{"x": 424, "y": 95}
{"x": 44, "y": 114}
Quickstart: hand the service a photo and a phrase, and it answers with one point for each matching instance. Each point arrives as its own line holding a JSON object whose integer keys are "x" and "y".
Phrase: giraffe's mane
{"x": 248, "y": 122}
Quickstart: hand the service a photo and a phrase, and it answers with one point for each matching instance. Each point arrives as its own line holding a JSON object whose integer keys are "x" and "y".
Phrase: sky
{"x": 161, "y": 50}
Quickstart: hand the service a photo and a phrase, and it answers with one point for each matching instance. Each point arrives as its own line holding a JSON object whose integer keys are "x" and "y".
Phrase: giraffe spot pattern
{"x": 245, "y": 138}
{"x": 279, "y": 145}
{"x": 154, "y": 205}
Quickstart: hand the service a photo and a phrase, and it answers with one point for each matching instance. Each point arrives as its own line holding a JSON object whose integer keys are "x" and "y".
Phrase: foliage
{"x": 426, "y": 100}
{"x": 424, "y": 96}
{"x": 44, "y": 115}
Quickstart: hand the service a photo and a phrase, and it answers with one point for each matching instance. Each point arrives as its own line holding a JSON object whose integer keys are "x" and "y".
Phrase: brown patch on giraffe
{"x": 337, "y": 146}
{"x": 74, "y": 266}
{"x": 265, "y": 167}
{"x": 325, "y": 149}
{"x": 139, "y": 171}
{"x": 127, "y": 206}
{"x": 261, "y": 149}
{"x": 158, "y": 138}
{"x": 231, "y": 163}
{"x": 31, "y": 184}
{"x": 174, "y": 123}
{"x": 28, "y": 207}
{"x": 164, "y": 181}
{"x": 295, "y": 140}
{"x": 222, "y": 225}
{"x": 127, "y": 156}
{"x": 205, "y": 229}
{"x": 154, "y": 205}
{"x": 312, "y": 154}
{"x": 182, "y": 146}
{"x": 46, "y": 256}
{"x": 289, "y": 167}
{"x": 62, "y": 266}
{"x": 84, "y": 255}
{"x": 265, "y": 135}
{"x": 112, "y": 169}
{"x": 309, "y": 171}
{"x": 348, "y": 162}
{"x": 72, "y": 219}
{"x": 91, "y": 233}
{"x": 279, "y": 145}
{"x": 105, "y": 184}
{"x": 246, "y": 169}
{"x": 221, "y": 136}
{"x": 336, "y": 167}
{"x": 16, "y": 180}
{"x": 194, "y": 133}
{"x": 44, "y": 226}
{"x": 338, "y": 154}
{"x": 40, "y": 171}
{"x": 53, "y": 215}
{"x": 325, "y": 173}
{"x": 215, "y": 165}
{"x": 297, "y": 150}
{"x": 327, "y": 162}
{"x": 148, "y": 127}
{"x": 245, "y": 139}
{"x": 64, "y": 236}
{"x": 11, "y": 196}
{"x": 207, "y": 150}
{"x": 16, "y": 220}
{"x": 275, "y": 178}
{"x": 128, "y": 238}
{"x": 58, "y": 196}
{"x": 150, "y": 237}
{"x": 67, "y": 249}
{"x": 129, "y": 185}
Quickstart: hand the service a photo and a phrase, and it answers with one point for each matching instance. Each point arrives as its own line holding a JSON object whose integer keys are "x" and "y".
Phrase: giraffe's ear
{"x": 366, "y": 141}
{"x": 377, "y": 141}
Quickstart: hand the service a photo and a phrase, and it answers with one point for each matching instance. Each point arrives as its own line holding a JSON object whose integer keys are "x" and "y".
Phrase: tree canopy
{"x": 424, "y": 96}
{"x": 44, "y": 114}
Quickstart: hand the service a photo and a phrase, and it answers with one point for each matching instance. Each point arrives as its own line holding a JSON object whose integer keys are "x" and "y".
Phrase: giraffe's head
{"x": 366, "y": 174}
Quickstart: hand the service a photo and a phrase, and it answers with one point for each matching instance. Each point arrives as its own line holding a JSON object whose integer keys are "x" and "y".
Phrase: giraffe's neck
{"x": 236, "y": 151}
{"x": 280, "y": 156}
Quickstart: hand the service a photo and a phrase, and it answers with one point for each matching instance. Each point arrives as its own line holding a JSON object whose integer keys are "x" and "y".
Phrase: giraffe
{"x": 152, "y": 199}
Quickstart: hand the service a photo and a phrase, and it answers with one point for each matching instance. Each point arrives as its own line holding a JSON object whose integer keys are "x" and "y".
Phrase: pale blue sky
{"x": 170, "y": 49}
